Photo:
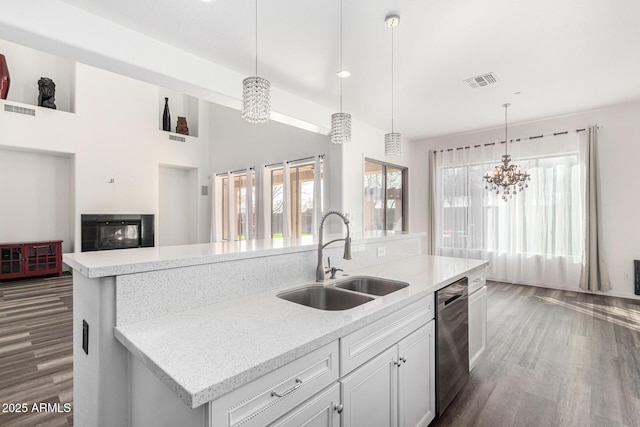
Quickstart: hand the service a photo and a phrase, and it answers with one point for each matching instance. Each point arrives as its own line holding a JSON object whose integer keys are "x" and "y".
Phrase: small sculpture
{"x": 181, "y": 126}
{"x": 47, "y": 93}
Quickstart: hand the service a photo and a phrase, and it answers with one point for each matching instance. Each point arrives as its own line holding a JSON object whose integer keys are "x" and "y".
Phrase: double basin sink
{"x": 344, "y": 294}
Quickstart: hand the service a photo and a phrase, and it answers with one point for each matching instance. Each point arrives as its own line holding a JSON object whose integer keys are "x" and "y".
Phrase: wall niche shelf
{"x": 180, "y": 105}
{"x": 26, "y": 66}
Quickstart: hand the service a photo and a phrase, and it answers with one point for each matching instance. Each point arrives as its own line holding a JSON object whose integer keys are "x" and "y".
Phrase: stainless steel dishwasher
{"x": 452, "y": 337}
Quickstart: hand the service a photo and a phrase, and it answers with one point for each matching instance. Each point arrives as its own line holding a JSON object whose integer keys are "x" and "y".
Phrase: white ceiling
{"x": 564, "y": 56}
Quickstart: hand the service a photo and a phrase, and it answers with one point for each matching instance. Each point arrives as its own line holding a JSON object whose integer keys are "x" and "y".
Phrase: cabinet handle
{"x": 339, "y": 408}
{"x": 397, "y": 363}
{"x": 291, "y": 390}
{"x": 403, "y": 359}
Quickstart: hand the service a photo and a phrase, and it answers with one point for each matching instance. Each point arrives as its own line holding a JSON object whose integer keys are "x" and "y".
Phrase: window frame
{"x": 405, "y": 190}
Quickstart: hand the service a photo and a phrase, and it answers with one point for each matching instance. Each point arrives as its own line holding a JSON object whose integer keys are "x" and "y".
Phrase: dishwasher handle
{"x": 452, "y": 299}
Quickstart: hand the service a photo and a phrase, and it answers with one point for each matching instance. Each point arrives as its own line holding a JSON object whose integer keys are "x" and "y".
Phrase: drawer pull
{"x": 339, "y": 408}
{"x": 291, "y": 390}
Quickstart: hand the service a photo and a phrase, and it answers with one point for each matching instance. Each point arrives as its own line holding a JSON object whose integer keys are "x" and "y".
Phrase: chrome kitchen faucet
{"x": 347, "y": 244}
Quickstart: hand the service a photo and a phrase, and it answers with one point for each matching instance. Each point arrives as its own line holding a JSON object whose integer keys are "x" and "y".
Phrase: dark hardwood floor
{"x": 36, "y": 365}
{"x": 554, "y": 358}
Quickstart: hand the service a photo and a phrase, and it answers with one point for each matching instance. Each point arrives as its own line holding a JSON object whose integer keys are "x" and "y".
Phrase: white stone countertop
{"x": 204, "y": 353}
{"x": 128, "y": 261}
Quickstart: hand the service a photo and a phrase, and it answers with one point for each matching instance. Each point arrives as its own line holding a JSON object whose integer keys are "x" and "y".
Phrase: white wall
{"x": 619, "y": 154}
{"x": 114, "y": 136}
{"x": 176, "y": 215}
{"x": 26, "y": 66}
{"x": 37, "y": 197}
{"x": 237, "y": 144}
{"x": 70, "y": 32}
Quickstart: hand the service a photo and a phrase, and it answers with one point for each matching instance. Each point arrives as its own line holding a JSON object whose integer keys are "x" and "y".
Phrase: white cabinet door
{"x": 319, "y": 411}
{"x": 477, "y": 325}
{"x": 416, "y": 382}
{"x": 369, "y": 393}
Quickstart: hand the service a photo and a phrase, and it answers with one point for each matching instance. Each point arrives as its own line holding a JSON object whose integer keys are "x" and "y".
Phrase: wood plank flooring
{"x": 554, "y": 358}
{"x": 36, "y": 352}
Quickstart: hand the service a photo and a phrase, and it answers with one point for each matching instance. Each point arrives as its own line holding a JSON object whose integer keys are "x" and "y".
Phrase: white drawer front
{"x": 477, "y": 280}
{"x": 267, "y": 398}
{"x": 363, "y": 344}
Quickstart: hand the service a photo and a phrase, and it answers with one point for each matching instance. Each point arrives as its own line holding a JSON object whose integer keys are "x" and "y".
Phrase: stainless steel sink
{"x": 371, "y": 285}
{"x": 325, "y": 298}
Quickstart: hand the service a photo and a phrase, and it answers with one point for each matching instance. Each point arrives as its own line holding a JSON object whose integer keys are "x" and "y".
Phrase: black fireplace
{"x": 105, "y": 232}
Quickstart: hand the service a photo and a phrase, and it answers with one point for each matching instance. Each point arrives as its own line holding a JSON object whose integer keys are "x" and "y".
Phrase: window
{"x": 535, "y": 237}
{"x": 301, "y": 199}
{"x": 239, "y": 207}
{"x": 385, "y": 187}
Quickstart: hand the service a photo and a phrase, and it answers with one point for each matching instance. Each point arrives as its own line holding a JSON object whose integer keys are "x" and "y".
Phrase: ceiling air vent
{"x": 482, "y": 80}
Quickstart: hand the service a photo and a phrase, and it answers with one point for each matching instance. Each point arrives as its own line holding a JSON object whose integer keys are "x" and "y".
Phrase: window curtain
{"x": 249, "y": 235}
{"x": 212, "y": 185}
{"x": 431, "y": 201}
{"x": 594, "y": 274}
{"x": 317, "y": 196}
{"x": 261, "y": 228}
{"x": 286, "y": 200}
{"x": 231, "y": 208}
{"x": 534, "y": 238}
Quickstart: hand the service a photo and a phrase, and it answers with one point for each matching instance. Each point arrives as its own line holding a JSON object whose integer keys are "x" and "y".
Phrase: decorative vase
{"x": 5, "y": 80}
{"x": 181, "y": 126}
{"x": 166, "y": 116}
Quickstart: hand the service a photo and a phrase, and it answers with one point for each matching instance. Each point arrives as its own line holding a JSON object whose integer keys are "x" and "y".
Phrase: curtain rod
{"x": 272, "y": 164}
{"x": 293, "y": 161}
{"x": 514, "y": 140}
{"x": 236, "y": 171}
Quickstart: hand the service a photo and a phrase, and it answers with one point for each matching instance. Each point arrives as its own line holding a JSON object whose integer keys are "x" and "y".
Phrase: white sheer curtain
{"x": 212, "y": 185}
{"x": 249, "y": 235}
{"x": 261, "y": 218}
{"x": 286, "y": 200}
{"x": 317, "y": 196}
{"x": 534, "y": 238}
{"x": 231, "y": 208}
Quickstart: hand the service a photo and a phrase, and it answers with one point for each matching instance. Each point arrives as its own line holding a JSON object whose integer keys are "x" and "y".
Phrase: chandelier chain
{"x": 508, "y": 178}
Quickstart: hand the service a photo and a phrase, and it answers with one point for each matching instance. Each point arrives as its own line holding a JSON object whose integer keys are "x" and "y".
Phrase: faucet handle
{"x": 329, "y": 262}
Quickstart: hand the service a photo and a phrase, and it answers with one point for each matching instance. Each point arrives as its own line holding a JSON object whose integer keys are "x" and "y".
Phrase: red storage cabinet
{"x": 30, "y": 259}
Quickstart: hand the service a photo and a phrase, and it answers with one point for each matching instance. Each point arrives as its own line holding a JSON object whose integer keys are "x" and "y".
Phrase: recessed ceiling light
{"x": 343, "y": 74}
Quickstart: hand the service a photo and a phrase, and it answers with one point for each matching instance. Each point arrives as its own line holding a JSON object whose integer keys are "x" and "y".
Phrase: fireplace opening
{"x": 106, "y": 232}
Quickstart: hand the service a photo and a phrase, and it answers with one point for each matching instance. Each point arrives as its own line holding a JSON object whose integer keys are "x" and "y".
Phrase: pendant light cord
{"x": 391, "y": 79}
{"x": 341, "y": 69}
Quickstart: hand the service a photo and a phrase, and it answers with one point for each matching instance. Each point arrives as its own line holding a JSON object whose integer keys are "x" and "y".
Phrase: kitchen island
{"x": 173, "y": 329}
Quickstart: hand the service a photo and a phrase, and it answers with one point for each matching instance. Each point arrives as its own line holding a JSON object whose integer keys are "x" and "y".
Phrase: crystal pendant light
{"x": 510, "y": 179}
{"x": 392, "y": 142}
{"x": 256, "y": 92}
{"x": 341, "y": 122}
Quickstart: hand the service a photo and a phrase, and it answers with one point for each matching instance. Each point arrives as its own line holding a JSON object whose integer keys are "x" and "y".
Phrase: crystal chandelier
{"x": 392, "y": 140}
{"x": 256, "y": 92}
{"x": 341, "y": 122}
{"x": 511, "y": 179}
